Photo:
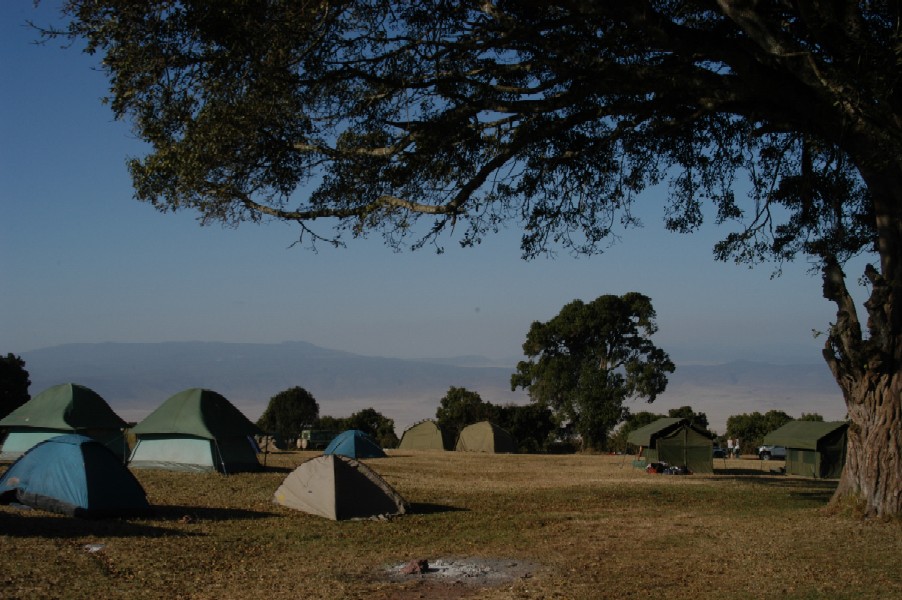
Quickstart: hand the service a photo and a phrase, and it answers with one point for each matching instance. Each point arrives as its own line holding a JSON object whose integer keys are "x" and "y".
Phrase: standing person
{"x": 736, "y": 447}
{"x": 730, "y": 447}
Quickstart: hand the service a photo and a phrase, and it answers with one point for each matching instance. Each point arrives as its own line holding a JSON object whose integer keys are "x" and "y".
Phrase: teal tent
{"x": 676, "y": 442}
{"x": 196, "y": 430}
{"x": 73, "y": 475}
{"x": 813, "y": 448}
{"x": 354, "y": 444}
{"x": 59, "y": 410}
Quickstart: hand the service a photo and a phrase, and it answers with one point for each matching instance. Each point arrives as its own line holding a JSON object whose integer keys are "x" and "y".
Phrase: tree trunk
{"x": 872, "y": 477}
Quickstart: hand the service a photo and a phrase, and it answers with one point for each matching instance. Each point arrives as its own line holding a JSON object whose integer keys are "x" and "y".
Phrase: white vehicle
{"x": 772, "y": 452}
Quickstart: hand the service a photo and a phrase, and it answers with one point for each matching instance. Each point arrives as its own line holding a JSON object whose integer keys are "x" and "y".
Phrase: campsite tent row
{"x": 478, "y": 437}
{"x": 196, "y": 429}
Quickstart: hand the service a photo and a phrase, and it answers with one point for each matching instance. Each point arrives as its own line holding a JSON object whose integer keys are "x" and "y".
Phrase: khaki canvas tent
{"x": 338, "y": 487}
{"x": 425, "y": 435}
{"x": 485, "y": 437}
{"x": 677, "y": 443}
{"x": 813, "y": 448}
{"x": 60, "y": 410}
{"x": 196, "y": 430}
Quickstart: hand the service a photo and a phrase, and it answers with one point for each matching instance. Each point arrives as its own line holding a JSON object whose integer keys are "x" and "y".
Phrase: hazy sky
{"x": 84, "y": 262}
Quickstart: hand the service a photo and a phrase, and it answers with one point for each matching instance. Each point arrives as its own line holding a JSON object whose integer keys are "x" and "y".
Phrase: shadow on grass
{"x": 29, "y": 523}
{"x": 26, "y": 522}
{"x": 426, "y": 508}
{"x": 187, "y": 514}
{"x": 799, "y": 487}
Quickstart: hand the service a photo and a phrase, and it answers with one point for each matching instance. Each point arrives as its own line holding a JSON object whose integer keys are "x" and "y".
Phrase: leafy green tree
{"x": 289, "y": 412}
{"x": 379, "y": 427}
{"x": 530, "y": 425}
{"x": 631, "y": 422}
{"x": 553, "y": 117}
{"x": 461, "y": 407}
{"x": 685, "y": 412}
{"x": 811, "y": 417}
{"x": 329, "y": 423}
{"x": 14, "y": 384}
{"x": 751, "y": 428}
{"x": 585, "y": 362}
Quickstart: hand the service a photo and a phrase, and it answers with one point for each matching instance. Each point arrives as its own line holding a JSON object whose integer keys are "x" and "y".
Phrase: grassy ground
{"x": 589, "y": 526}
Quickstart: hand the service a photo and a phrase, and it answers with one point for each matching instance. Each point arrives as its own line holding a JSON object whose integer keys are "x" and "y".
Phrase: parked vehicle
{"x": 719, "y": 452}
{"x": 316, "y": 439}
{"x": 772, "y": 452}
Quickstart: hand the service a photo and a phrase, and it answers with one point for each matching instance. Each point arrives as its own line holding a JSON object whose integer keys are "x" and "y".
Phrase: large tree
{"x": 553, "y": 116}
{"x": 289, "y": 412}
{"x": 461, "y": 407}
{"x": 589, "y": 359}
{"x": 14, "y": 383}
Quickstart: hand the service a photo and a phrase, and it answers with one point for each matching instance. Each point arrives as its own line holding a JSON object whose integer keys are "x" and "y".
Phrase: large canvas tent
{"x": 425, "y": 435}
{"x": 74, "y": 475}
{"x": 485, "y": 437}
{"x": 59, "y": 410}
{"x": 196, "y": 430}
{"x": 337, "y": 487}
{"x": 354, "y": 443}
{"x": 813, "y": 448}
{"x": 676, "y": 442}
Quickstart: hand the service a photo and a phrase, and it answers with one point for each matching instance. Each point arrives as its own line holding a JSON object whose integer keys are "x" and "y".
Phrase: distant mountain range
{"x": 136, "y": 377}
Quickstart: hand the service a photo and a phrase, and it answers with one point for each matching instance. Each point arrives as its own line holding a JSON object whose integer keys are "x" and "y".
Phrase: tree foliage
{"x": 14, "y": 384}
{"x": 461, "y": 407}
{"x": 289, "y": 412}
{"x": 368, "y": 420}
{"x": 376, "y": 425}
{"x": 585, "y": 362}
{"x": 423, "y": 118}
{"x": 750, "y": 428}
{"x": 698, "y": 419}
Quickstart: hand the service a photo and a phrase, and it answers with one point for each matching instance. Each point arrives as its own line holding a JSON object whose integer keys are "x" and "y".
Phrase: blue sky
{"x": 84, "y": 262}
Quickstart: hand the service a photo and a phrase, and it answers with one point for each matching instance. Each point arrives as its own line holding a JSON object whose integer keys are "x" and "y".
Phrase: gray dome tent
{"x": 337, "y": 487}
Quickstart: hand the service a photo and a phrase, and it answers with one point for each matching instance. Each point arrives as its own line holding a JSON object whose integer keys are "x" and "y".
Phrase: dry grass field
{"x": 583, "y": 526}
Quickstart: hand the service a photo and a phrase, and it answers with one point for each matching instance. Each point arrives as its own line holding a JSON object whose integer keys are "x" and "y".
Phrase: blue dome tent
{"x": 73, "y": 475}
{"x": 354, "y": 444}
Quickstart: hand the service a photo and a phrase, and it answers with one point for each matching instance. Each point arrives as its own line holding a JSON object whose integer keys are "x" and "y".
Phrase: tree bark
{"x": 872, "y": 476}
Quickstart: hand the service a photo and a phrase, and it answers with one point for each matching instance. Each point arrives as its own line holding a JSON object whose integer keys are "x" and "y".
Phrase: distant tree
{"x": 461, "y": 407}
{"x": 530, "y": 425}
{"x": 329, "y": 423}
{"x": 752, "y": 427}
{"x": 631, "y": 422}
{"x": 14, "y": 384}
{"x": 373, "y": 423}
{"x": 685, "y": 412}
{"x": 811, "y": 417}
{"x": 289, "y": 412}
{"x": 585, "y": 362}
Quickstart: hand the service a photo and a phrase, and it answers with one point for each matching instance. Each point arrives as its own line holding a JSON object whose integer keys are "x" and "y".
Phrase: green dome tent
{"x": 59, "y": 410}
{"x": 677, "y": 443}
{"x": 425, "y": 435}
{"x": 485, "y": 437}
{"x": 813, "y": 448}
{"x": 196, "y": 430}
